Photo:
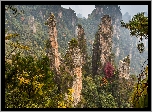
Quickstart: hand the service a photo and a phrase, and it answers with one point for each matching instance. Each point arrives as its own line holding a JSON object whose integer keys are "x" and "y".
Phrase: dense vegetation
{"x": 29, "y": 82}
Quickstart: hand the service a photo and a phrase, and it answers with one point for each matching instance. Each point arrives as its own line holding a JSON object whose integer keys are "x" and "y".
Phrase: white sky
{"x": 87, "y": 9}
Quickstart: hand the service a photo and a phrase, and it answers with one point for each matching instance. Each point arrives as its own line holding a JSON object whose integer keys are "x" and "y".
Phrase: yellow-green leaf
{"x": 9, "y": 36}
{"x": 40, "y": 92}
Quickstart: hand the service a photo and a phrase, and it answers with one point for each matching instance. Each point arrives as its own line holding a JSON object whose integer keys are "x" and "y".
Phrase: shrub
{"x": 108, "y": 70}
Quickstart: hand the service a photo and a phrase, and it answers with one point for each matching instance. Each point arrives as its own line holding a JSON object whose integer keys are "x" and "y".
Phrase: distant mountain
{"x": 79, "y": 15}
{"x": 126, "y": 17}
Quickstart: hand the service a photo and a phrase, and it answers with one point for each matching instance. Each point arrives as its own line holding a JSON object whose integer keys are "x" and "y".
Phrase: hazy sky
{"x": 87, "y": 9}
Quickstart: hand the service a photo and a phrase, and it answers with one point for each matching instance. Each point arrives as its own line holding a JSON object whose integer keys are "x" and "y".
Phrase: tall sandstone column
{"x": 102, "y": 45}
{"x": 82, "y": 43}
{"x": 77, "y": 70}
{"x": 53, "y": 48}
{"x": 74, "y": 64}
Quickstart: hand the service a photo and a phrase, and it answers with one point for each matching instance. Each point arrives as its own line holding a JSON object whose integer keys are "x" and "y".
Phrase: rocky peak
{"x": 53, "y": 49}
{"x": 126, "y": 17}
{"x": 105, "y": 27}
{"x": 112, "y": 10}
{"x": 102, "y": 45}
{"x": 82, "y": 43}
{"x": 116, "y": 16}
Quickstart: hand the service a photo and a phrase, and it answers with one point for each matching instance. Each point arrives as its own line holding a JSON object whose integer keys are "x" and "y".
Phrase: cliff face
{"x": 105, "y": 34}
{"x": 82, "y": 43}
{"x": 53, "y": 49}
{"x": 77, "y": 71}
{"x": 66, "y": 15}
{"x": 124, "y": 68}
{"x": 112, "y": 10}
{"x": 90, "y": 24}
{"x": 66, "y": 25}
{"x": 66, "y": 21}
{"x": 73, "y": 62}
{"x": 73, "y": 58}
{"x": 108, "y": 10}
{"x": 102, "y": 45}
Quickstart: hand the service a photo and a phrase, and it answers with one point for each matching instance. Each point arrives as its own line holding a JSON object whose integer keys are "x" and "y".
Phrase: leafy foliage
{"x": 89, "y": 93}
{"x": 139, "y": 97}
{"x": 68, "y": 103}
{"x": 27, "y": 80}
{"x": 73, "y": 43}
{"x": 109, "y": 70}
{"x": 138, "y": 27}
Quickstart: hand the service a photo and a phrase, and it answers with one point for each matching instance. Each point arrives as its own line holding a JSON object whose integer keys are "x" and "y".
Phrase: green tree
{"x": 138, "y": 27}
{"x": 90, "y": 93}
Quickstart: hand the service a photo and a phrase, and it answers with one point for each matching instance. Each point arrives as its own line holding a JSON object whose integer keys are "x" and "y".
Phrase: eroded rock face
{"x": 60, "y": 14}
{"x": 77, "y": 71}
{"x": 74, "y": 65}
{"x": 82, "y": 43}
{"x": 80, "y": 31}
{"x": 32, "y": 24}
{"x": 71, "y": 19}
{"x": 53, "y": 49}
{"x": 77, "y": 54}
{"x": 105, "y": 34}
{"x": 102, "y": 45}
{"x": 124, "y": 68}
{"x": 114, "y": 12}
